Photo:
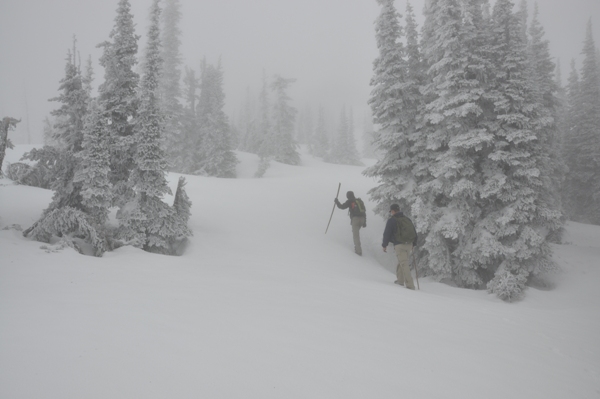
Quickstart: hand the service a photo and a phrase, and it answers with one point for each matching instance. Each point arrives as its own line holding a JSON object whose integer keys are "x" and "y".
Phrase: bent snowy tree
{"x": 7, "y": 124}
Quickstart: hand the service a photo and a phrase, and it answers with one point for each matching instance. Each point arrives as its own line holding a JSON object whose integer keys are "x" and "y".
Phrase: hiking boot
{"x": 396, "y": 282}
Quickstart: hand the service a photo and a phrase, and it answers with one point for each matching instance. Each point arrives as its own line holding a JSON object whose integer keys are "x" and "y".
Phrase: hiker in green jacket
{"x": 358, "y": 217}
{"x": 400, "y": 231}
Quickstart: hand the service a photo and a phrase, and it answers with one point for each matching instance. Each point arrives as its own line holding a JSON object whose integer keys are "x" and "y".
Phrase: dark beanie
{"x": 350, "y": 195}
{"x": 395, "y": 207}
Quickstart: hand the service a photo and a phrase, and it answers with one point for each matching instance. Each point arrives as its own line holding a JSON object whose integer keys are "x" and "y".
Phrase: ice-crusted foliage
{"x": 94, "y": 167}
{"x": 214, "y": 154}
{"x": 67, "y": 221}
{"x": 163, "y": 229}
{"x": 46, "y": 170}
{"x": 508, "y": 286}
{"x": 118, "y": 99}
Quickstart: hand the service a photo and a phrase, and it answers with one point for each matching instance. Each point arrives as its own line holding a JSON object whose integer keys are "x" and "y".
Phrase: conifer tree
{"x": 118, "y": 98}
{"x": 170, "y": 88}
{"x": 190, "y": 130}
{"x": 570, "y": 144}
{"x": 344, "y": 151}
{"x": 320, "y": 141}
{"x": 65, "y": 216}
{"x": 94, "y": 167}
{"x": 147, "y": 221}
{"x": 388, "y": 104}
{"x": 447, "y": 209}
{"x": 584, "y": 137}
{"x": 260, "y": 143}
{"x": 68, "y": 133}
{"x": 214, "y": 156}
{"x": 545, "y": 92}
{"x": 516, "y": 217}
{"x": 283, "y": 146}
{"x": 246, "y": 123}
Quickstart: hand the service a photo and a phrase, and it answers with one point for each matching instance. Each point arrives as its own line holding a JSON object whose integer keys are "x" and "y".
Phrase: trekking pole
{"x": 338, "y": 193}
{"x": 416, "y": 270}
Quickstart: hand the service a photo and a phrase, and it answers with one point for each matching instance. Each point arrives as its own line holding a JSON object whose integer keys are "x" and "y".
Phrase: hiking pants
{"x": 403, "y": 270}
{"x": 357, "y": 222}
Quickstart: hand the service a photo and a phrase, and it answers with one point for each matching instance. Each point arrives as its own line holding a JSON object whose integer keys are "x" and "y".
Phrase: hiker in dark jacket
{"x": 400, "y": 231}
{"x": 358, "y": 218}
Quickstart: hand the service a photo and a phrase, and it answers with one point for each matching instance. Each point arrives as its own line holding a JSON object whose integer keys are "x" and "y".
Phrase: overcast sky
{"x": 327, "y": 45}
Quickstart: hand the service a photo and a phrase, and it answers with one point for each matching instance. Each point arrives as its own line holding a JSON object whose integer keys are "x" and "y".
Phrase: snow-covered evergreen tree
{"x": 94, "y": 167}
{"x": 344, "y": 149}
{"x": 517, "y": 217}
{"x": 170, "y": 88}
{"x": 214, "y": 156}
{"x": 247, "y": 123}
{"x": 545, "y": 91}
{"x": 447, "y": 208}
{"x": 65, "y": 216}
{"x": 146, "y": 221}
{"x": 74, "y": 101}
{"x": 584, "y": 137}
{"x": 392, "y": 113}
{"x": 118, "y": 98}
{"x": 190, "y": 131}
{"x": 304, "y": 125}
{"x": 320, "y": 140}
{"x": 68, "y": 133}
{"x": 569, "y": 143}
{"x": 282, "y": 144}
{"x": 260, "y": 143}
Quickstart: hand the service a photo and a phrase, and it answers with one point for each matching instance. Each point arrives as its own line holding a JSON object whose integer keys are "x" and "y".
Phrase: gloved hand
{"x": 337, "y": 202}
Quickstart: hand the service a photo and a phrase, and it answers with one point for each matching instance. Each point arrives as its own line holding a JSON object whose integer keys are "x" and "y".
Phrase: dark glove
{"x": 337, "y": 202}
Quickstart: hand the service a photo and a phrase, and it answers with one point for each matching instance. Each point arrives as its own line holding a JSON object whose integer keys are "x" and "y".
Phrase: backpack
{"x": 405, "y": 230}
{"x": 360, "y": 208}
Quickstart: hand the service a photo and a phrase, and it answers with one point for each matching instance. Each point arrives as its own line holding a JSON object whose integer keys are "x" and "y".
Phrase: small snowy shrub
{"x": 507, "y": 286}
{"x": 67, "y": 221}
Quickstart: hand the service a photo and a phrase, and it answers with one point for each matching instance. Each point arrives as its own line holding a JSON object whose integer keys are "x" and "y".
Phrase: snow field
{"x": 263, "y": 304}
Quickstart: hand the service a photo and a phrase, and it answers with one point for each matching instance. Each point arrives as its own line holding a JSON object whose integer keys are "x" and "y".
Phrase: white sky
{"x": 327, "y": 45}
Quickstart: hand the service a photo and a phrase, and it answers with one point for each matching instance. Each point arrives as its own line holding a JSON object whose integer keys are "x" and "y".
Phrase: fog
{"x": 327, "y": 45}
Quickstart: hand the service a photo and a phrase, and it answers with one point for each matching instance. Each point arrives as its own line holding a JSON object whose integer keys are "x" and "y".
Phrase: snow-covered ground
{"x": 263, "y": 305}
